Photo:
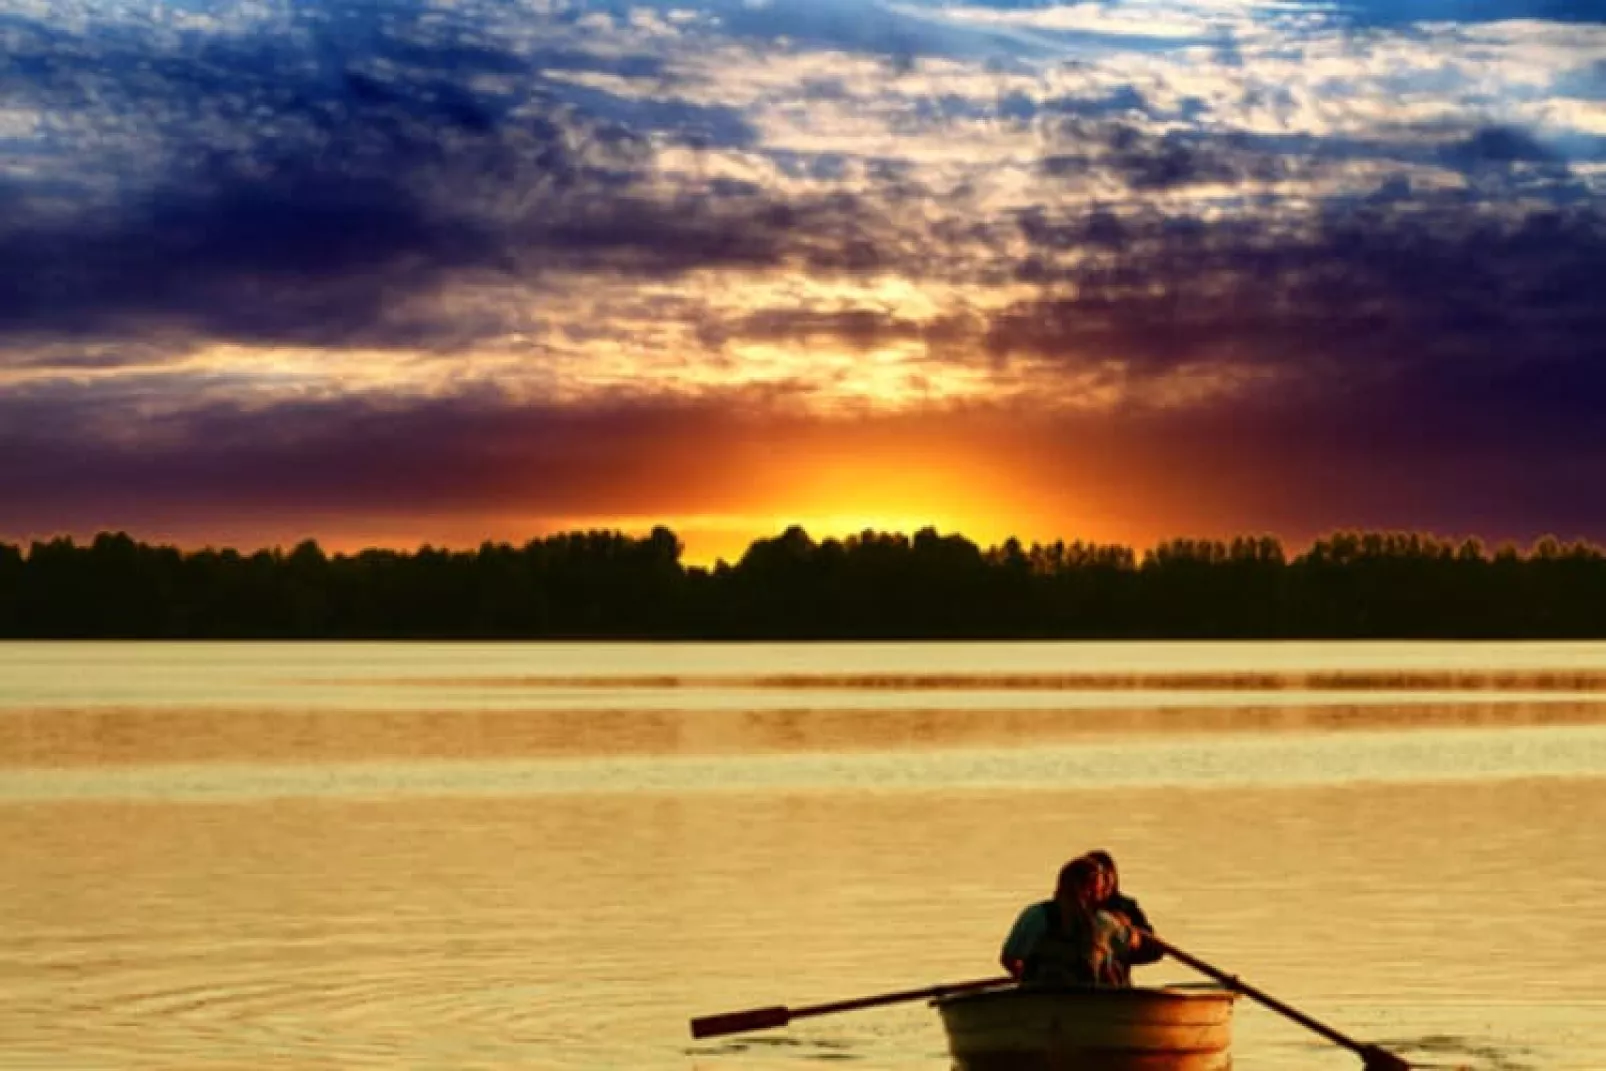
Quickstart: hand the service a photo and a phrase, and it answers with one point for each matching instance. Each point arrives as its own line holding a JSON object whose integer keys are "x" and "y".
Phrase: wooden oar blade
{"x": 1374, "y": 1058}
{"x": 713, "y": 1026}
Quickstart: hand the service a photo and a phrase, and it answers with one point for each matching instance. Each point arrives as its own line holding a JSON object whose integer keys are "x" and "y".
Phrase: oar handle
{"x": 1376, "y": 1058}
{"x": 779, "y": 1015}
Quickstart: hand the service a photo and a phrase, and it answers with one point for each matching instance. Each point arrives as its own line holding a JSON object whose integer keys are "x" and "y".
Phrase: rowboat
{"x": 993, "y": 1024}
{"x": 1163, "y": 1028}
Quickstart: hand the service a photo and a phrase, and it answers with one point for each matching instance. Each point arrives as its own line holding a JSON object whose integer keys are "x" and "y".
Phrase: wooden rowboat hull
{"x": 1170, "y": 1028}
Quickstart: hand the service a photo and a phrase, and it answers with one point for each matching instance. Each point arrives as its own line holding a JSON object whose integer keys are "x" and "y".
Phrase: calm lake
{"x": 466, "y": 856}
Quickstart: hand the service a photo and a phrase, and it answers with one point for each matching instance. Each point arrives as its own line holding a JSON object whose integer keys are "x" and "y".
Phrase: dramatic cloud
{"x": 263, "y": 257}
{"x": 1437, "y": 304}
{"x": 284, "y": 187}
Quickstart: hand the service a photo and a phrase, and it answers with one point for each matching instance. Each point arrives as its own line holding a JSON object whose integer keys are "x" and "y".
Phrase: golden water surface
{"x": 546, "y": 856}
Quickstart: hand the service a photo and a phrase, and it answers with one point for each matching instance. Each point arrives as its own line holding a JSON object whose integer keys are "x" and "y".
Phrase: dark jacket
{"x": 1061, "y": 956}
{"x": 1125, "y": 905}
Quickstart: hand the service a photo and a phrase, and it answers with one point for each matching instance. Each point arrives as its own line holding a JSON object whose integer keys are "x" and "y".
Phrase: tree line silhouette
{"x": 609, "y": 585}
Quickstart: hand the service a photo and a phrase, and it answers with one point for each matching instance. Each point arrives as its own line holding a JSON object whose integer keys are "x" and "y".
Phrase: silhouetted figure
{"x": 1069, "y": 940}
{"x": 1114, "y": 901}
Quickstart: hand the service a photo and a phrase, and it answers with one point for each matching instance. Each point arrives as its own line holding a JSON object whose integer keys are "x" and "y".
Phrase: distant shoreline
{"x": 610, "y": 586}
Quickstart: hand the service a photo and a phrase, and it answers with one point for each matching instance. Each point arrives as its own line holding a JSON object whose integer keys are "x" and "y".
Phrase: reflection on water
{"x": 1443, "y": 681}
{"x": 116, "y": 736}
{"x": 511, "y": 675}
{"x": 311, "y": 885}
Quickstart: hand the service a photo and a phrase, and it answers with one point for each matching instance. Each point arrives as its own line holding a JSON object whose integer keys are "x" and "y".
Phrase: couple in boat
{"x": 1090, "y": 933}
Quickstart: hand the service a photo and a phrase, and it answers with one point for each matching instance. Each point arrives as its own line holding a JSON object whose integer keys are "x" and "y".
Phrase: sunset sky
{"x": 395, "y": 271}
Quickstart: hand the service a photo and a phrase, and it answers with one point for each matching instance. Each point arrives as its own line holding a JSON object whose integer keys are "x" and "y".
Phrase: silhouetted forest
{"x": 607, "y": 585}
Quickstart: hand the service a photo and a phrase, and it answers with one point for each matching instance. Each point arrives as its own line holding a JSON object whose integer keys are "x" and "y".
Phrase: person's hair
{"x": 1076, "y": 908}
{"x": 1107, "y": 861}
{"x": 1074, "y": 874}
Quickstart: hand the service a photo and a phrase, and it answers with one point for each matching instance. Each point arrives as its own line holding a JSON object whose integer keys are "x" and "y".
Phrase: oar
{"x": 1374, "y": 1057}
{"x": 779, "y": 1015}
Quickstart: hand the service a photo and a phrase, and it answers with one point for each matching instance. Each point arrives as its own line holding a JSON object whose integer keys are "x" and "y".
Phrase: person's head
{"x": 1112, "y": 877}
{"x": 1079, "y": 883}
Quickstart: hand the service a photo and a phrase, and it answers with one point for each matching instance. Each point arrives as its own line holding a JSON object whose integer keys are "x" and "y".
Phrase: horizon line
{"x": 1292, "y": 549}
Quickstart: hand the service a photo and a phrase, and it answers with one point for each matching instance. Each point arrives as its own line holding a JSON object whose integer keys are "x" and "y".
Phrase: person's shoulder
{"x": 1029, "y": 926}
{"x": 1041, "y": 909}
{"x": 1031, "y": 912}
{"x": 1127, "y": 906}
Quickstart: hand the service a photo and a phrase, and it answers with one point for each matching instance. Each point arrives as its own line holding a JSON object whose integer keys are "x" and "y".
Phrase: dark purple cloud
{"x": 300, "y": 185}
{"x": 363, "y": 456}
{"x": 1446, "y": 316}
